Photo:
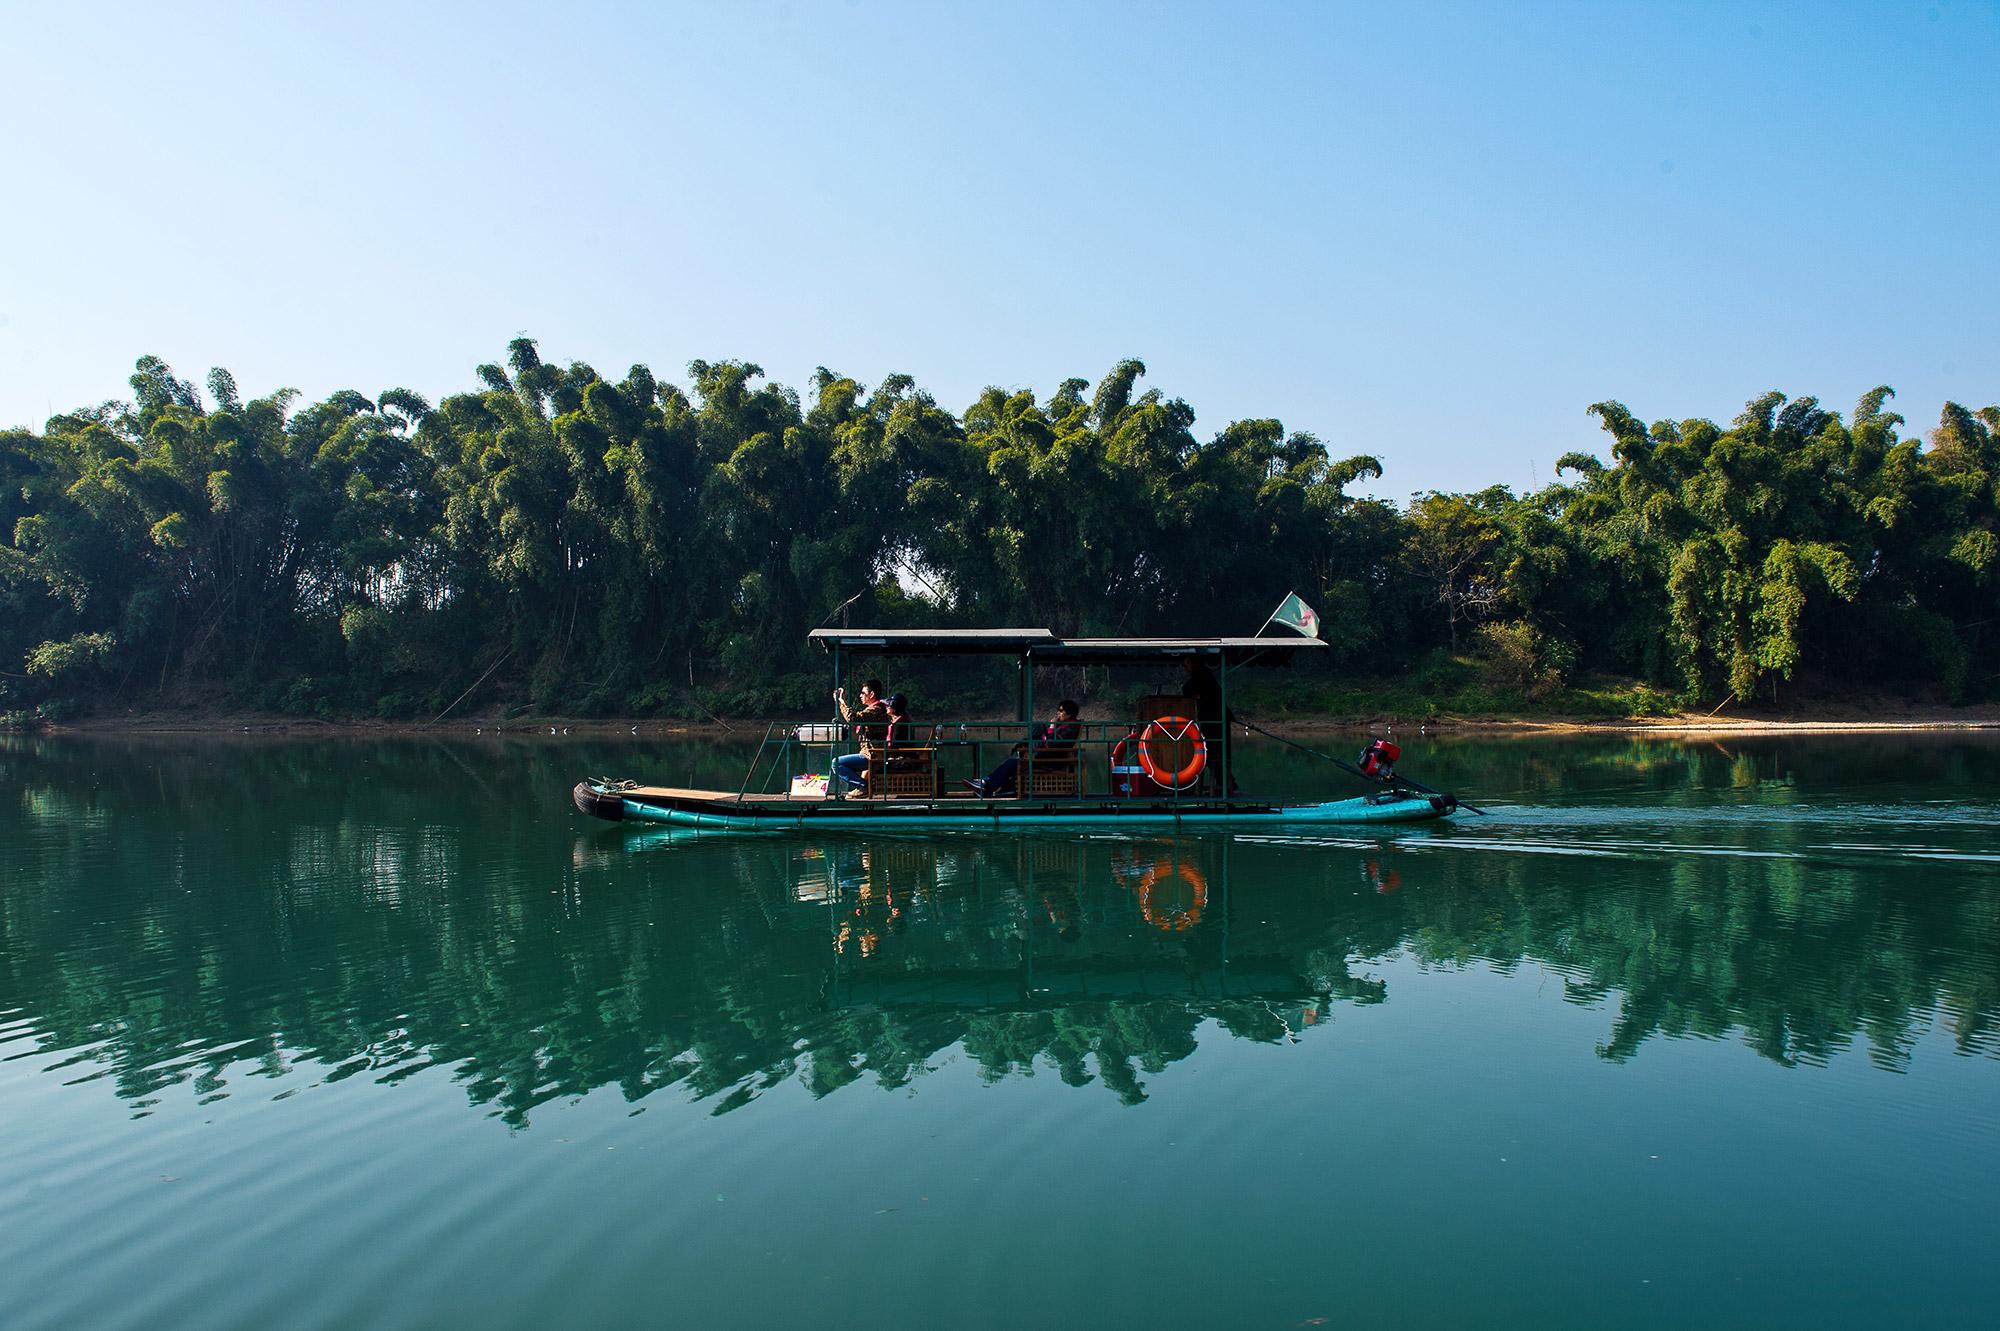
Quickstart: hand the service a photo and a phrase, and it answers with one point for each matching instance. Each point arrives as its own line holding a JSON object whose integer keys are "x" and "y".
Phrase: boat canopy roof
{"x": 932, "y": 642}
{"x": 1145, "y": 651}
{"x": 1040, "y": 646}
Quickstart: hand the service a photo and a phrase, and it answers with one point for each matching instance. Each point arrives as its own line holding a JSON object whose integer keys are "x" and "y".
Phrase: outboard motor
{"x": 1378, "y": 760}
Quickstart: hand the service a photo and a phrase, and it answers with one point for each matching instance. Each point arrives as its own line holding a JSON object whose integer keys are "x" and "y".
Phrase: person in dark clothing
{"x": 900, "y": 737}
{"x": 1058, "y": 736}
{"x": 1205, "y": 690}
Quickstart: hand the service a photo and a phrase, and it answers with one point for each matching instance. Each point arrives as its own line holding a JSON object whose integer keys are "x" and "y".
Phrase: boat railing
{"x": 1162, "y": 759}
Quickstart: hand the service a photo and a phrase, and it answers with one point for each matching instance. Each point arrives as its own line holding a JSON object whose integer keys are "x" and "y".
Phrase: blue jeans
{"x": 1001, "y": 780}
{"x": 852, "y": 768}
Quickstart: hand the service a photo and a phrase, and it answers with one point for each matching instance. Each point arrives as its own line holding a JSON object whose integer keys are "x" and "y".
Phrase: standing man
{"x": 1205, "y": 691}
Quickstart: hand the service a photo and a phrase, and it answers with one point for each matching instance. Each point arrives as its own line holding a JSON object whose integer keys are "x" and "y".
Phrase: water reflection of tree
{"x": 190, "y": 918}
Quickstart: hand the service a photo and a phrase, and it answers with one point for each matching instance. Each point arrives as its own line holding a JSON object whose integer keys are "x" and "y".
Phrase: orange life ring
{"x": 1177, "y": 917}
{"x": 1174, "y": 728}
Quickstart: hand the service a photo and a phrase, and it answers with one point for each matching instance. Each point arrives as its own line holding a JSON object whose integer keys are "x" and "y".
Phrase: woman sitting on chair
{"x": 1058, "y": 737}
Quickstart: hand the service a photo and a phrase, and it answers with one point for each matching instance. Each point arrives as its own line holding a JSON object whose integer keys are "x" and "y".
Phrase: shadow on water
{"x": 195, "y": 914}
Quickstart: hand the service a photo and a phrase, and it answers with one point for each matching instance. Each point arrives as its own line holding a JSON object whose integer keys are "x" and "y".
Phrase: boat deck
{"x": 670, "y": 793}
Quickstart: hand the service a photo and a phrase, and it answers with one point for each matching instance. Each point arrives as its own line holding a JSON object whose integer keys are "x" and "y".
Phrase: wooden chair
{"x": 1050, "y": 773}
{"x": 905, "y": 771}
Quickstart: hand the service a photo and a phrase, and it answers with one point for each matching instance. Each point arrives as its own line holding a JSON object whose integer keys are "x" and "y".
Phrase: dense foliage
{"x": 558, "y": 540}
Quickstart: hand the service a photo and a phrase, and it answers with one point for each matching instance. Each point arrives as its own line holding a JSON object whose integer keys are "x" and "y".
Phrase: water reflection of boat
{"x": 1059, "y": 984}
{"x": 1171, "y": 891}
{"x": 1089, "y": 923}
{"x": 1157, "y": 769}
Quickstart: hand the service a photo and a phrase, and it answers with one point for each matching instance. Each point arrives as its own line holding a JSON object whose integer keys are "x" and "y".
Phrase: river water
{"x": 345, "y": 1033}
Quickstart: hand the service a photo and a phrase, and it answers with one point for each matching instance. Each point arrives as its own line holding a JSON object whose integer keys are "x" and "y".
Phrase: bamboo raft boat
{"x": 1158, "y": 770}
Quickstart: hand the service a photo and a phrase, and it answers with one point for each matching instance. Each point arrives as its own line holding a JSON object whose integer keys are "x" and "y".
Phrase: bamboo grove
{"x": 572, "y": 543}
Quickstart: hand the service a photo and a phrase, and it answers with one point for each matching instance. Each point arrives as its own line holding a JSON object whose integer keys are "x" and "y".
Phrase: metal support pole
{"x": 1223, "y": 681}
{"x": 833, "y": 790}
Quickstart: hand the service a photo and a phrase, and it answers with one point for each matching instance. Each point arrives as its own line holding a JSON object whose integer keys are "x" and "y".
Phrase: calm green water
{"x": 342, "y": 1034}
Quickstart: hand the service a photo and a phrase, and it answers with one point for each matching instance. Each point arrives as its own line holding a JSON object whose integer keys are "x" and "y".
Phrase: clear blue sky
{"x": 1431, "y": 232}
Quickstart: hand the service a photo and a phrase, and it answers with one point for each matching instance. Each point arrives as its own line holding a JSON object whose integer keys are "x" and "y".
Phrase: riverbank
{"x": 1830, "y": 721}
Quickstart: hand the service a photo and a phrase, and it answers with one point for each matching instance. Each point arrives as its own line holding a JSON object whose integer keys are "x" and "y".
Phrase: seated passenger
{"x": 898, "y": 737}
{"x": 870, "y": 722}
{"x": 1058, "y": 737}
